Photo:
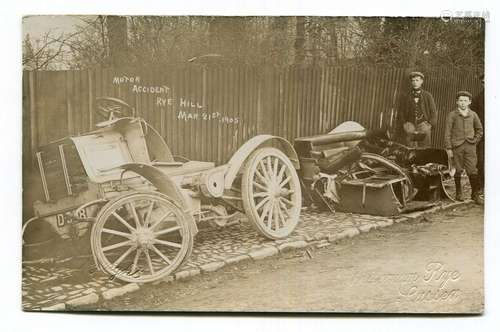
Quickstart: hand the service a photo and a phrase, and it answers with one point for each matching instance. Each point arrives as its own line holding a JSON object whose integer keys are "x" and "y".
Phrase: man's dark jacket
{"x": 406, "y": 109}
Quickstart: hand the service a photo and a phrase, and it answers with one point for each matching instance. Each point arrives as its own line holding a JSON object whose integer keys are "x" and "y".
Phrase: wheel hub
{"x": 143, "y": 237}
{"x": 275, "y": 190}
{"x": 284, "y": 192}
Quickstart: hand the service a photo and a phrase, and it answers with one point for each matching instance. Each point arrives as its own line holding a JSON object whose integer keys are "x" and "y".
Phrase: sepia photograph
{"x": 243, "y": 164}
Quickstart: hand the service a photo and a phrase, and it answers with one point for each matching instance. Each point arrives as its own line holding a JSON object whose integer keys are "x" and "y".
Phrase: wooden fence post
{"x": 32, "y": 110}
{"x": 265, "y": 109}
{"x": 69, "y": 98}
{"x": 91, "y": 99}
{"x": 260, "y": 119}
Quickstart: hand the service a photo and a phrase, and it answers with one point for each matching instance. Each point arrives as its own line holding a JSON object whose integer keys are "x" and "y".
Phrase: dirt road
{"x": 432, "y": 266}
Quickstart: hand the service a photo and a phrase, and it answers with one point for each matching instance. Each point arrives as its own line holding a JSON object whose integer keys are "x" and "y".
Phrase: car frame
{"x": 141, "y": 204}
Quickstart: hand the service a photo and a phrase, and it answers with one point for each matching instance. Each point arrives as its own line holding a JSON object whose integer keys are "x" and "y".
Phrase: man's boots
{"x": 458, "y": 188}
{"x": 475, "y": 185}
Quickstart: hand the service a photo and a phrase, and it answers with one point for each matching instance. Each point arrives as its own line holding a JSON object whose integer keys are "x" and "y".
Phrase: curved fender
{"x": 165, "y": 185}
{"x": 237, "y": 160}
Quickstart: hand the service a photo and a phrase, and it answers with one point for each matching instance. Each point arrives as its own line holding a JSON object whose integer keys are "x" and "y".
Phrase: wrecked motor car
{"x": 141, "y": 205}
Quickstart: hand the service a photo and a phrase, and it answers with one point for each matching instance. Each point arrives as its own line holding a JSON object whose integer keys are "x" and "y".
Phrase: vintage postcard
{"x": 253, "y": 164}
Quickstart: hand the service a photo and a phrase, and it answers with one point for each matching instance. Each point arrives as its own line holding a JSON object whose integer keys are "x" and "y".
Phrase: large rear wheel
{"x": 141, "y": 237}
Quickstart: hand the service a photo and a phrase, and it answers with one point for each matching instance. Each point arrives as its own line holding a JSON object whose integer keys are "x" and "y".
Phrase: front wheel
{"x": 271, "y": 193}
{"x": 141, "y": 237}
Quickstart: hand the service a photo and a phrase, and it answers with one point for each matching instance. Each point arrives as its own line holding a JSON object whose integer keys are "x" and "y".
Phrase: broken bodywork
{"x": 356, "y": 170}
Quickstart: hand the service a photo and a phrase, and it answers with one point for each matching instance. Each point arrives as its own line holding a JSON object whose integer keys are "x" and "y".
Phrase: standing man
{"x": 462, "y": 132}
{"x": 417, "y": 113}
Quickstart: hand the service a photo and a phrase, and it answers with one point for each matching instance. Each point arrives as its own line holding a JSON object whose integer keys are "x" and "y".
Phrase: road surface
{"x": 432, "y": 266}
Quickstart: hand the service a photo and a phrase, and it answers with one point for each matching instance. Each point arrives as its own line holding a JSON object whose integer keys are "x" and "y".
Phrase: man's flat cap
{"x": 416, "y": 73}
{"x": 464, "y": 93}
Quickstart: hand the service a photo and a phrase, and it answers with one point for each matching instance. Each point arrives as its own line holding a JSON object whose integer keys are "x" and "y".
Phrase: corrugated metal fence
{"x": 206, "y": 113}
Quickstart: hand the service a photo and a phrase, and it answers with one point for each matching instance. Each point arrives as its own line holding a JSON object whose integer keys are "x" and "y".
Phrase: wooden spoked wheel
{"x": 449, "y": 188}
{"x": 141, "y": 237}
{"x": 271, "y": 194}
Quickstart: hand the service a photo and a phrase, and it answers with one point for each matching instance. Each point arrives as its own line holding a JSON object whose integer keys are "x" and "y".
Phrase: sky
{"x": 36, "y": 26}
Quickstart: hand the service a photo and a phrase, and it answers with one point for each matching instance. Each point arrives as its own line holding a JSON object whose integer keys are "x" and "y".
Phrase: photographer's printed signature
{"x": 436, "y": 282}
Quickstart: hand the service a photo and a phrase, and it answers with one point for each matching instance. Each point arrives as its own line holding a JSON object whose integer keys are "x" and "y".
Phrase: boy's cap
{"x": 464, "y": 94}
{"x": 416, "y": 73}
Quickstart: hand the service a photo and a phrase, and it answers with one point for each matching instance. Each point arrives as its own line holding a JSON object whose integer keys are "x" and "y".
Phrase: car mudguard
{"x": 238, "y": 159}
{"x": 165, "y": 185}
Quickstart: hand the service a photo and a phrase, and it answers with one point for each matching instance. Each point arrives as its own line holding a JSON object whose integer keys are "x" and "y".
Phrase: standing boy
{"x": 462, "y": 132}
{"x": 478, "y": 107}
{"x": 417, "y": 112}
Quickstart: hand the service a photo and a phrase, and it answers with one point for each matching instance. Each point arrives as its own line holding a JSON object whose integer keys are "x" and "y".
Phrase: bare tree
{"x": 45, "y": 53}
{"x": 420, "y": 43}
{"x": 90, "y": 46}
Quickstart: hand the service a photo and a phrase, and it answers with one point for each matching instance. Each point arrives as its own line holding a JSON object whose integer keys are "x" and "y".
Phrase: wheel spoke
{"x": 148, "y": 213}
{"x": 122, "y": 257}
{"x": 150, "y": 263}
{"x": 114, "y": 232}
{"x": 284, "y": 208}
{"x": 117, "y": 245}
{"x": 275, "y": 169}
{"x": 168, "y": 243}
{"x": 261, "y": 194}
{"x": 267, "y": 205}
{"x": 261, "y": 177}
{"x": 289, "y": 202}
{"x": 262, "y": 202}
{"x": 168, "y": 230}
{"x": 270, "y": 216}
{"x": 123, "y": 221}
{"x": 282, "y": 184}
{"x": 269, "y": 164}
{"x": 159, "y": 253}
{"x": 258, "y": 185}
{"x": 281, "y": 173}
{"x": 134, "y": 214}
{"x": 136, "y": 260}
{"x": 276, "y": 217}
{"x": 263, "y": 167}
{"x": 282, "y": 217}
{"x": 160, "y": 220}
